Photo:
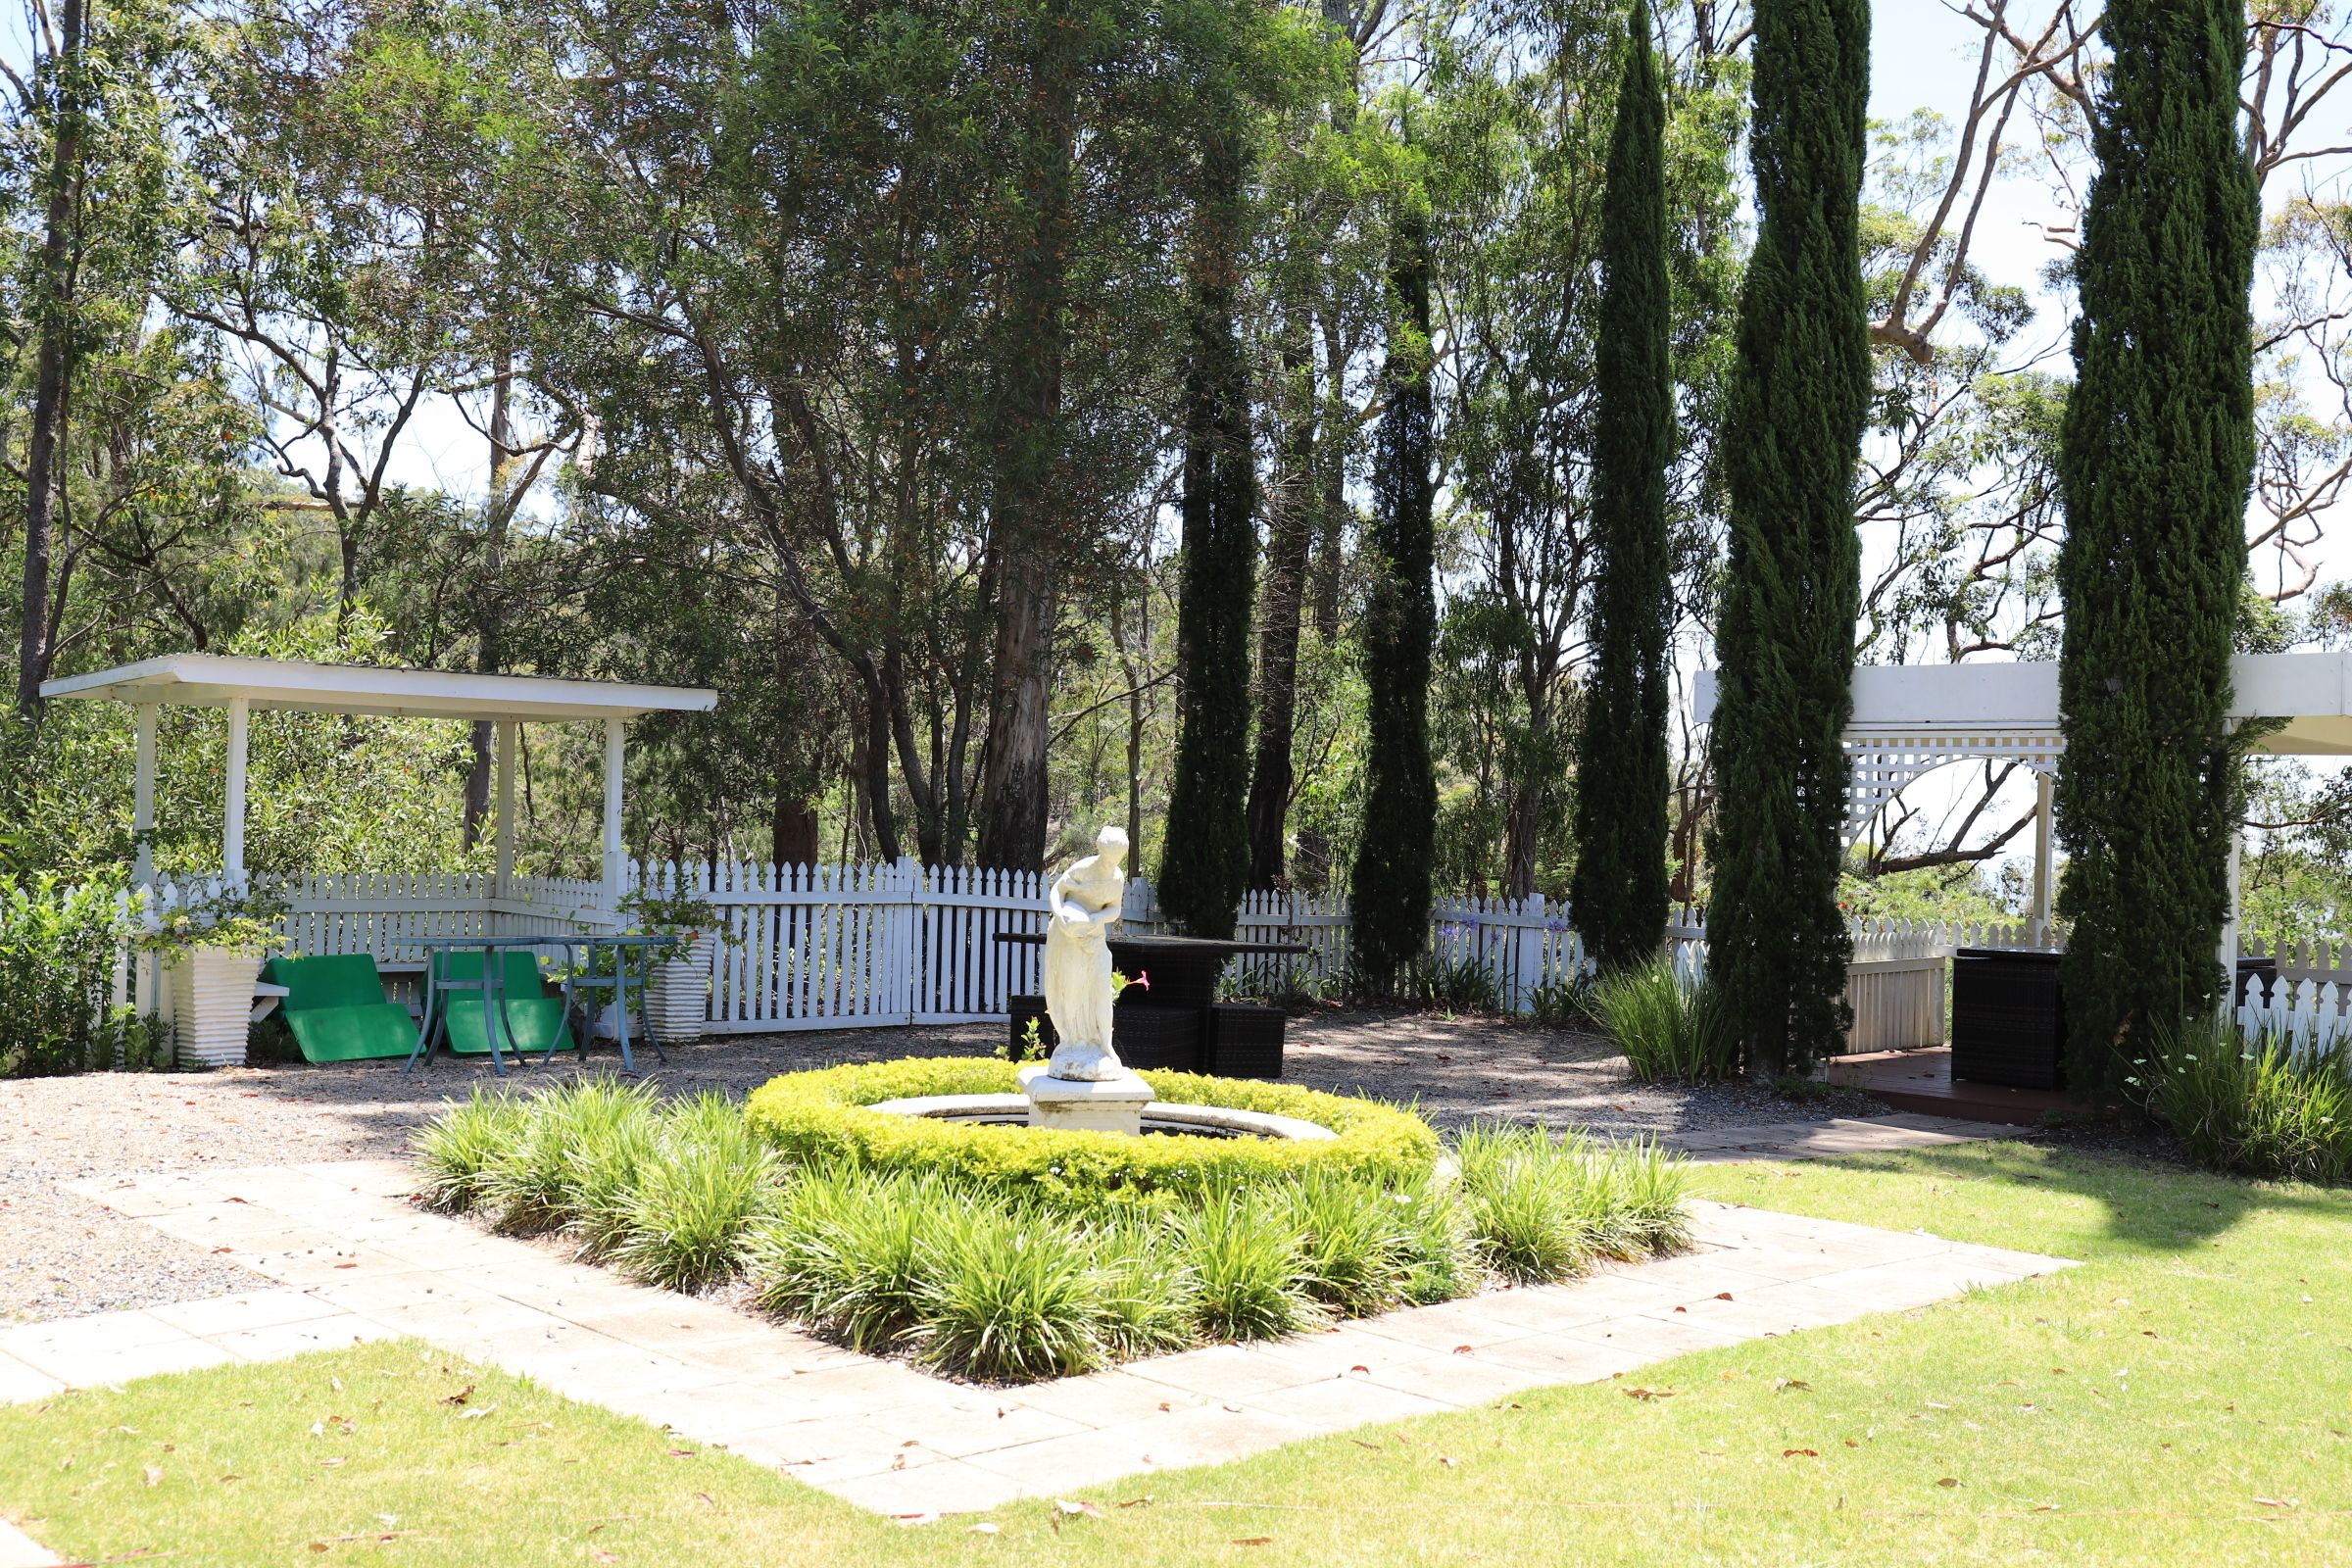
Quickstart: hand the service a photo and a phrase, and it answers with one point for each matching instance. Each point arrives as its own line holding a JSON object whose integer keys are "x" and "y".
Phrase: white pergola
{"x": 1910, "y": 719}
{"x": 243, "y": 685}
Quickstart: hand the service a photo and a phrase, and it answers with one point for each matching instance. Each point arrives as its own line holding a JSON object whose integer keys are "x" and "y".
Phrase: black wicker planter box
{"x": 1024, "y": 1009}
{"x": 1157, "y": 1037}
{"x": 1245, "y": 1041}
{"x": 2008, "y": 1018}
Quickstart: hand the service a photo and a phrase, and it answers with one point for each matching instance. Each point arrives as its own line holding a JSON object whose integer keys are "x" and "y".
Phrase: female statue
{"x": 1082, "y": 903}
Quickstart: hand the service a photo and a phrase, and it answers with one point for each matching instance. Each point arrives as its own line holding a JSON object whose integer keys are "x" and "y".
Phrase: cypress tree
{"x": 1618, "y": 894}
{"x": 1784, "y": 638}
{"x": 1205, "y": 862}
{"x": 1389, "y": 888}
{"x": 2156, "y": 454}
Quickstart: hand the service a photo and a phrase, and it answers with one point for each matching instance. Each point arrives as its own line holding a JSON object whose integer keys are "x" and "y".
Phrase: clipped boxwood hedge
{"x": 814, "y": 1116}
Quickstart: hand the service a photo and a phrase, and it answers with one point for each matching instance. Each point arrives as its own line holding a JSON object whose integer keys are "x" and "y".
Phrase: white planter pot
{"x": 211, "y": 1003}
{"x": 678, "y": 993}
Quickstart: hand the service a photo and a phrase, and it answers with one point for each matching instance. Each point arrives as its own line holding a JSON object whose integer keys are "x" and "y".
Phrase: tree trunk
{"x": 1026, "y": 517}
{"x": 489, "y": 648}
{"x": 1289, "y": 534}
{"x": 53, "y": 359}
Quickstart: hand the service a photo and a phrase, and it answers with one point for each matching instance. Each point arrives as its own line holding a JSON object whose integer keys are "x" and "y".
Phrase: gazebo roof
{"x": 2311, "y": 691}
{"x": 212, "y": 680}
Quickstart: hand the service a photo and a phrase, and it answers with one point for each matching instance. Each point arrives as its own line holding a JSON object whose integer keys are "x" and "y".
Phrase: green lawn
{"x": 2187, "y": 1397}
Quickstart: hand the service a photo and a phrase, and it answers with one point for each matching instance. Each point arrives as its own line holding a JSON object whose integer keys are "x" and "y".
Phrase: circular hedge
{"x": 820, "y": 1116}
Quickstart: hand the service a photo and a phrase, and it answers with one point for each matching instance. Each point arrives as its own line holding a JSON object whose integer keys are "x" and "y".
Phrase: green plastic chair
{"x": 335, "y": 1007}
{"x": 530, "y": 1020}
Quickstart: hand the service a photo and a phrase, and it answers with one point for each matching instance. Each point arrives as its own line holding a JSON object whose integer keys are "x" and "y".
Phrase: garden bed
{"x": 1001, "y": 1269}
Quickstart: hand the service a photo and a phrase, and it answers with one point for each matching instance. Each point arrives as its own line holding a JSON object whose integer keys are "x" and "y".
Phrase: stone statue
{"x": 1083, "y": 903}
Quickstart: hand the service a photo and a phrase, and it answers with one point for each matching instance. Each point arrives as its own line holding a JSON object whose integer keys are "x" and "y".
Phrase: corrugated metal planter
{"x": 211, "y": 1004}
{"x": 678, "y": 993}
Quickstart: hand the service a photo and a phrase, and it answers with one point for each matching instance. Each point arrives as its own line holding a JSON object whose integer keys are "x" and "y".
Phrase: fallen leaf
{"x": 603, "y": 1556}
{"x": 477, "y": 1415}
{"x": 1722, "y": 1296}
{"x": 1784, "y": 1385}
{"x": 1253, "y": 1541}
{"x": 2274, "y": 1502}
{"x": 1463, "y": 1350}
{"x": 983, "y": 1528}
{"x": 1065, "y": 1507}
{"x": 155, "y": 1476}
{"x": 1364, "y": 1369}
{"x": 1793, "y": 1453}
{"x": 1949, "y": 1481}
{"x": 1445, "y": 1460}
{"x": 1648, "y": 1394}
{"x": 688, "y": 1453}
{"x": 459, "y": 1398}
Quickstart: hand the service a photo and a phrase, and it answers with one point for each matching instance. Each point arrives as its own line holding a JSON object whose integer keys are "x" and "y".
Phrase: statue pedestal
{"x": 1108, "y": 1105}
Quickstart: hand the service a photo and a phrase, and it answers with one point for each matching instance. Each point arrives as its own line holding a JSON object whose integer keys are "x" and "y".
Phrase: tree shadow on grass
{"x": 2145, "y": 1204}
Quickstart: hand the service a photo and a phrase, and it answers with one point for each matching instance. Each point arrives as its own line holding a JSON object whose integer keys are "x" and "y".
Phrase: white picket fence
{"x": 831, "y": 947}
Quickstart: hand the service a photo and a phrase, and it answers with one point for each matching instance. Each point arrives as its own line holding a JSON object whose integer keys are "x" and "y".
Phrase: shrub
{"x": 1147, "y": 1290}
{"x": 684, "y": 1221}
{"x": 458, "y": 1148}
{"x": 1245, "y": 1265}
{"x": 1458, "y": 985}
{"x": 61, "y": 949}
{"x": 1542, "y": 1208}
{"x": 2269, "y": 1106}
{"x": 819, "y": 1117}
{"x": 844, "y": 1253}
{"x": 1009, "y": 1297}
{"x": 1562, "y": 1004}
{"x": 1669, "y": 1030}
{"x": 536, "y": 1182}
{"x": 1355, "y": 1238}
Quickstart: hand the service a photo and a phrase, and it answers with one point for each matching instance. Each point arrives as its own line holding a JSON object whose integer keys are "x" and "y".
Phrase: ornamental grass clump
{"x": 2269, "y": 1104}
{"x": 1246, "y": 1265}
{"x": 1355, "y": 1239}
{"x": 1671, "y": 1030}
{"x": 458, "y": 1149}
{"x": 684, "y": 1222}
{"x": 1011, "y": 1298}
{"x": 536, "y": 1183}
{"x": 847, "y": 1251}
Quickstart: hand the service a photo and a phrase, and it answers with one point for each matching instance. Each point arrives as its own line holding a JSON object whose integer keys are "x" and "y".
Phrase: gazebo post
{"x": 142, "y": 798}
{"x": 232, "y": 825}
{"x": 2042, "y": 870}
{"x": 614, "y": 864}
{"x": 2229, "y": 947}
{"x": 510, "y": 739}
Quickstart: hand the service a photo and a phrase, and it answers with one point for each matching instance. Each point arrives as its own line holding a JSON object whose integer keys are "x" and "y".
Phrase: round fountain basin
{"x": 1200, "y": 1121}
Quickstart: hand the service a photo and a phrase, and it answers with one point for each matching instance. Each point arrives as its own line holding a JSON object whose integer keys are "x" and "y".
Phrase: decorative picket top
{"x": 2312, "y": 1017}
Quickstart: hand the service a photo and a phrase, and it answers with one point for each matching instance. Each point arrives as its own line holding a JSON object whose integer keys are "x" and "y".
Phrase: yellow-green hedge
{"x": 820, "y": 1116}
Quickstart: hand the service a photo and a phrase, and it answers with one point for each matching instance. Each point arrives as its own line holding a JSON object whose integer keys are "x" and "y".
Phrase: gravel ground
{"x": 62, "y": 1256}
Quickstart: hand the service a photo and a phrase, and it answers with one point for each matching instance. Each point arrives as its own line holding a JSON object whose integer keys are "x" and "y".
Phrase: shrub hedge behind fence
{"x": 60, "y": 952}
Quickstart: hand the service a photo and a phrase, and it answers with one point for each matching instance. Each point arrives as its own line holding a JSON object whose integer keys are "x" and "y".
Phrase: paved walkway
{"x": 1839, "y": 1135}
{"x": 352, "y": 1261}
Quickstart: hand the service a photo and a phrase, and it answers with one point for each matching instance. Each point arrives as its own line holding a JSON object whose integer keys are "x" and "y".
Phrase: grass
{"x": 1669, "y": 1029}
{"x": 2187, "y": 1397}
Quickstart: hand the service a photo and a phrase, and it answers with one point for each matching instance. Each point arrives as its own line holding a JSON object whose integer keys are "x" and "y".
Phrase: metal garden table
{"x": 492, "y": 984}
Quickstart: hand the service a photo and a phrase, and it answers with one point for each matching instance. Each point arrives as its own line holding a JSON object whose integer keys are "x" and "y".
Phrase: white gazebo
{"x": 1910, "y": 719}
{"x": 242, "y": 685}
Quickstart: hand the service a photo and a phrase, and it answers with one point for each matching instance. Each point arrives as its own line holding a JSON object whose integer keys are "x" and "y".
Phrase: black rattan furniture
{"x": 1169, "y": 1015}
{"x": 1245, "y": 1041}
{"x": 2008, "y": 1018}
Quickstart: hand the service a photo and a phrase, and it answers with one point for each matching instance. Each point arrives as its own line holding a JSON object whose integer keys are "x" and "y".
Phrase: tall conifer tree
{"x": 1618, "y": 894}
{"x": 1205, "y": 865}
{"x": 1389, "y": 889}
{"x": 1785, "y": 639}
{"x": 2155, "y": 458}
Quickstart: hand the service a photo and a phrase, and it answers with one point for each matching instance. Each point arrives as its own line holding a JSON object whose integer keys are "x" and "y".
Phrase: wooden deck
{"x": 1922, "y": 1081}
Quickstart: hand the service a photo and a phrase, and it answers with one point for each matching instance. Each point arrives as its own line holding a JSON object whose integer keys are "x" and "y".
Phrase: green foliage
{"x": 1390, "y": 885}
{"x": 2155, "y": 462}
{"x": 1245, "y": 1265}
{"x": 2270, "y": 1104}
{"x": 1783, "y": 640}
{"x": 1009, "y": 1297}
{"x": 241, "y": 919}
{"x": 1620, "y": 893}
{"x": 1670, "y": 1031}
{"x": 1013, "y": 1281}
{"x": 61, "y": 949}
{"x": 457, "y": 1150}
{"x": 818, "y": 1117}
{"x": 1206, "y": 863}
{"x": 709, "y": 1179}
{"x": 1463, "y": 984}
{"x": 1544, "y": 1206}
